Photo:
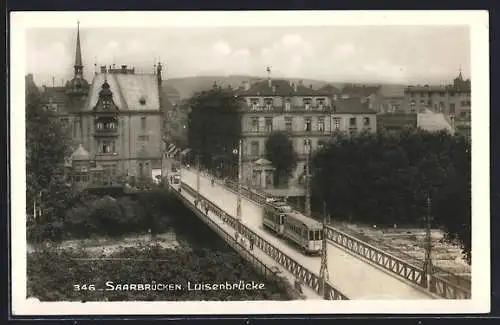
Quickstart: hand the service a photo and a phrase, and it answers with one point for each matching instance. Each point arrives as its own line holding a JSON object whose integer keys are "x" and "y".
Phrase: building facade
{"x": 115, "y": 122}
{"x": 309, "y": 116}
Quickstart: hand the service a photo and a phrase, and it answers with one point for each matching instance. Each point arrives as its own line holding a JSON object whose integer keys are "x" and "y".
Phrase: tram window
{"x": 311, "y": 235}
{"x": 281, "y": 219}
{"x": 316, "y": 235}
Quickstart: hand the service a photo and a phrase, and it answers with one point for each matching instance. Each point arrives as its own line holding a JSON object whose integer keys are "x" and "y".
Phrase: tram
{"x": 305, "y": 232}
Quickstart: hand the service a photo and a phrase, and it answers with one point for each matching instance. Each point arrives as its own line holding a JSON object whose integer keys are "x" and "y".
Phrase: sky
{"x": 389, "y": 54}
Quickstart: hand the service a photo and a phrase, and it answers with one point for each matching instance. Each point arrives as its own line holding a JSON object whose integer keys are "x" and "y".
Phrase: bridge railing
{"x": 266, "y": 271}
{"x": 438, "y": 285}
{"x": 308, "y": 277}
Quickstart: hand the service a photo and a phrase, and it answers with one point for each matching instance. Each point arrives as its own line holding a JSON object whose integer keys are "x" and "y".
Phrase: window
{"x": 422, "y": 94}
{"x": 100, "y": 125}
{"x": 352, "y": 122}
{"x": 441, "y": 94}
{"x": 269, "y": 124}
{"x": 320, "y": 102}
{"x": 105, "y": 104}
{"x": 336, "y": 122}
{"x": 143, "y": 123}
{"x": 269, "y": 103}
{"x": 288, "y": 105}
{"x": 107, "y": 146}
{"x": 321, "y": 124}
{"x": 422, "y": 103}
{"x": 255, "y": 124}
{"x": 307, "y": 124}
{"x": 366, "y": 121}
{"x": 143, "y": 138}
{"x": 452, "y": 108}
{"x": 321, "y": 143}
{"x": 254, "y": 104}
{"x": 307, "y": 146}
{"x": 412, "y": 94}
{"x": 288, "y": 124}
{"x": 254, "y": 148}
{"x": 307, "y": 103}
{"x": 412, "y": 106}
{"x": 441, "y": 106}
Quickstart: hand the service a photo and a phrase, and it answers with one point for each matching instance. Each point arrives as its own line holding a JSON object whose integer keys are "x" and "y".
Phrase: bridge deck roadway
{"x": 354, "y": 277}
{"x": 307, "y": 292}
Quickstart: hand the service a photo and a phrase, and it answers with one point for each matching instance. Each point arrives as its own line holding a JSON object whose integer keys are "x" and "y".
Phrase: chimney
{"x": 103, "y": 69}
{"x": 269, "y": 82}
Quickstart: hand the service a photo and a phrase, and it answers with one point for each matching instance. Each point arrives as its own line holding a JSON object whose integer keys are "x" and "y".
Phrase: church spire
{"x": 78, "y": 55}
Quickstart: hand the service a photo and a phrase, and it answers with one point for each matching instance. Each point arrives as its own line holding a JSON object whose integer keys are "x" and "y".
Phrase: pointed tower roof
{"x": 78, "y": 55}
{"x": 80, "y": 154}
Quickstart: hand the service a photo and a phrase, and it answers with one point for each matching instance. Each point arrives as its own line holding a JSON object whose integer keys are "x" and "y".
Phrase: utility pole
{"x": 323, "y": 271}
{"x": 428, "y": 246}
{"x": 307, "y": 143}
{"x": 240, "y": 179}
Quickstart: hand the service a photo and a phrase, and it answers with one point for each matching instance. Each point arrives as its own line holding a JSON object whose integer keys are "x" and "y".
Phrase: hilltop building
{"x": 115, "y": 122}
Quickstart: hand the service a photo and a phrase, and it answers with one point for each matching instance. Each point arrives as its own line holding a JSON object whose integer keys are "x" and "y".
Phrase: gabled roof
{"x": 133, "y": 92}
{"x": 351, "y": 106}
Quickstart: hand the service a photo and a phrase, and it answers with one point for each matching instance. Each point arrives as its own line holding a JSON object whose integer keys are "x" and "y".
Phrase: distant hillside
{"x": 189, "y": 85}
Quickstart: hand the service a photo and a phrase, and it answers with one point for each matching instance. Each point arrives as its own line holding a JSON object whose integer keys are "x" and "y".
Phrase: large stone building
{"x": 308, "y": 115}
{"x": 115, "y": 122}
{"x": 453, "y": 101}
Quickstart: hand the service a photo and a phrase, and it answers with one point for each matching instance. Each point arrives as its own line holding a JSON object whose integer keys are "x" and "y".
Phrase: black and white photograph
{"x": 249, "y": 162}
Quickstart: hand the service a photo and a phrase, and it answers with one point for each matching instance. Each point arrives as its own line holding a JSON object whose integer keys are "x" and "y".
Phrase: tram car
{"x": 274, "y": 215}
{"x": 306, "y": 232}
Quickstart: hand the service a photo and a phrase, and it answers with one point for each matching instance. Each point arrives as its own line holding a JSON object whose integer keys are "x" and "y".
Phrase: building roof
{"x": 309, "y": 222}
{"x": 329, "y": 90}
{"x": 132, "y": 92}
{"x": 351, "y": 106}
{"x": 80, "y": 154}
{"x": 359, "y": 91}
{"x": 431, "y": 121}
{"x": 280, "y": 87}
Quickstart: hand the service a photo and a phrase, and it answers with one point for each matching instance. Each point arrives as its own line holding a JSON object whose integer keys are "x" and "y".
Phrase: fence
{"x": 306, "y": 276}
{"x": 438, "y": 285}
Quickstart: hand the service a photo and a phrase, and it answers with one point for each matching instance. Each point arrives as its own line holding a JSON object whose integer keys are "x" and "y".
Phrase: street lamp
{"x": 428, "y": 245}
{"x": 198, "y": 176}
{"x": 307, "y": 146}
{"x": 240, "y": 178}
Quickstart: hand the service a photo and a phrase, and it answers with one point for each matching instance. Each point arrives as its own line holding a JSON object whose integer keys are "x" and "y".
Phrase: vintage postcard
{"x": 249, "y": 162}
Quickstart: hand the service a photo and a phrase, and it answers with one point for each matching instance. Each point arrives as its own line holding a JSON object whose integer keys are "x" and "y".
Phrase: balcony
{"x": 106, "y": 132}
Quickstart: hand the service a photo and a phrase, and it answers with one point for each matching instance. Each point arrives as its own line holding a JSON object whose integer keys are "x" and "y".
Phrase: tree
{"x": 385, "y": 179}
{"x": 46, "y": 150}
{"x": 280, "y": 152}
{"x": 214, "y": 128}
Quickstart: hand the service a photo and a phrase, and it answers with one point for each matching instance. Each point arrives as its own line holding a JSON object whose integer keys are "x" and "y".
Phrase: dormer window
{"x": 100, "y": 125}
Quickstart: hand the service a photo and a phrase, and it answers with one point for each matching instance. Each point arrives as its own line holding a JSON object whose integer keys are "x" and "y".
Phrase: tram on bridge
{"x": 281, "y": 219}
